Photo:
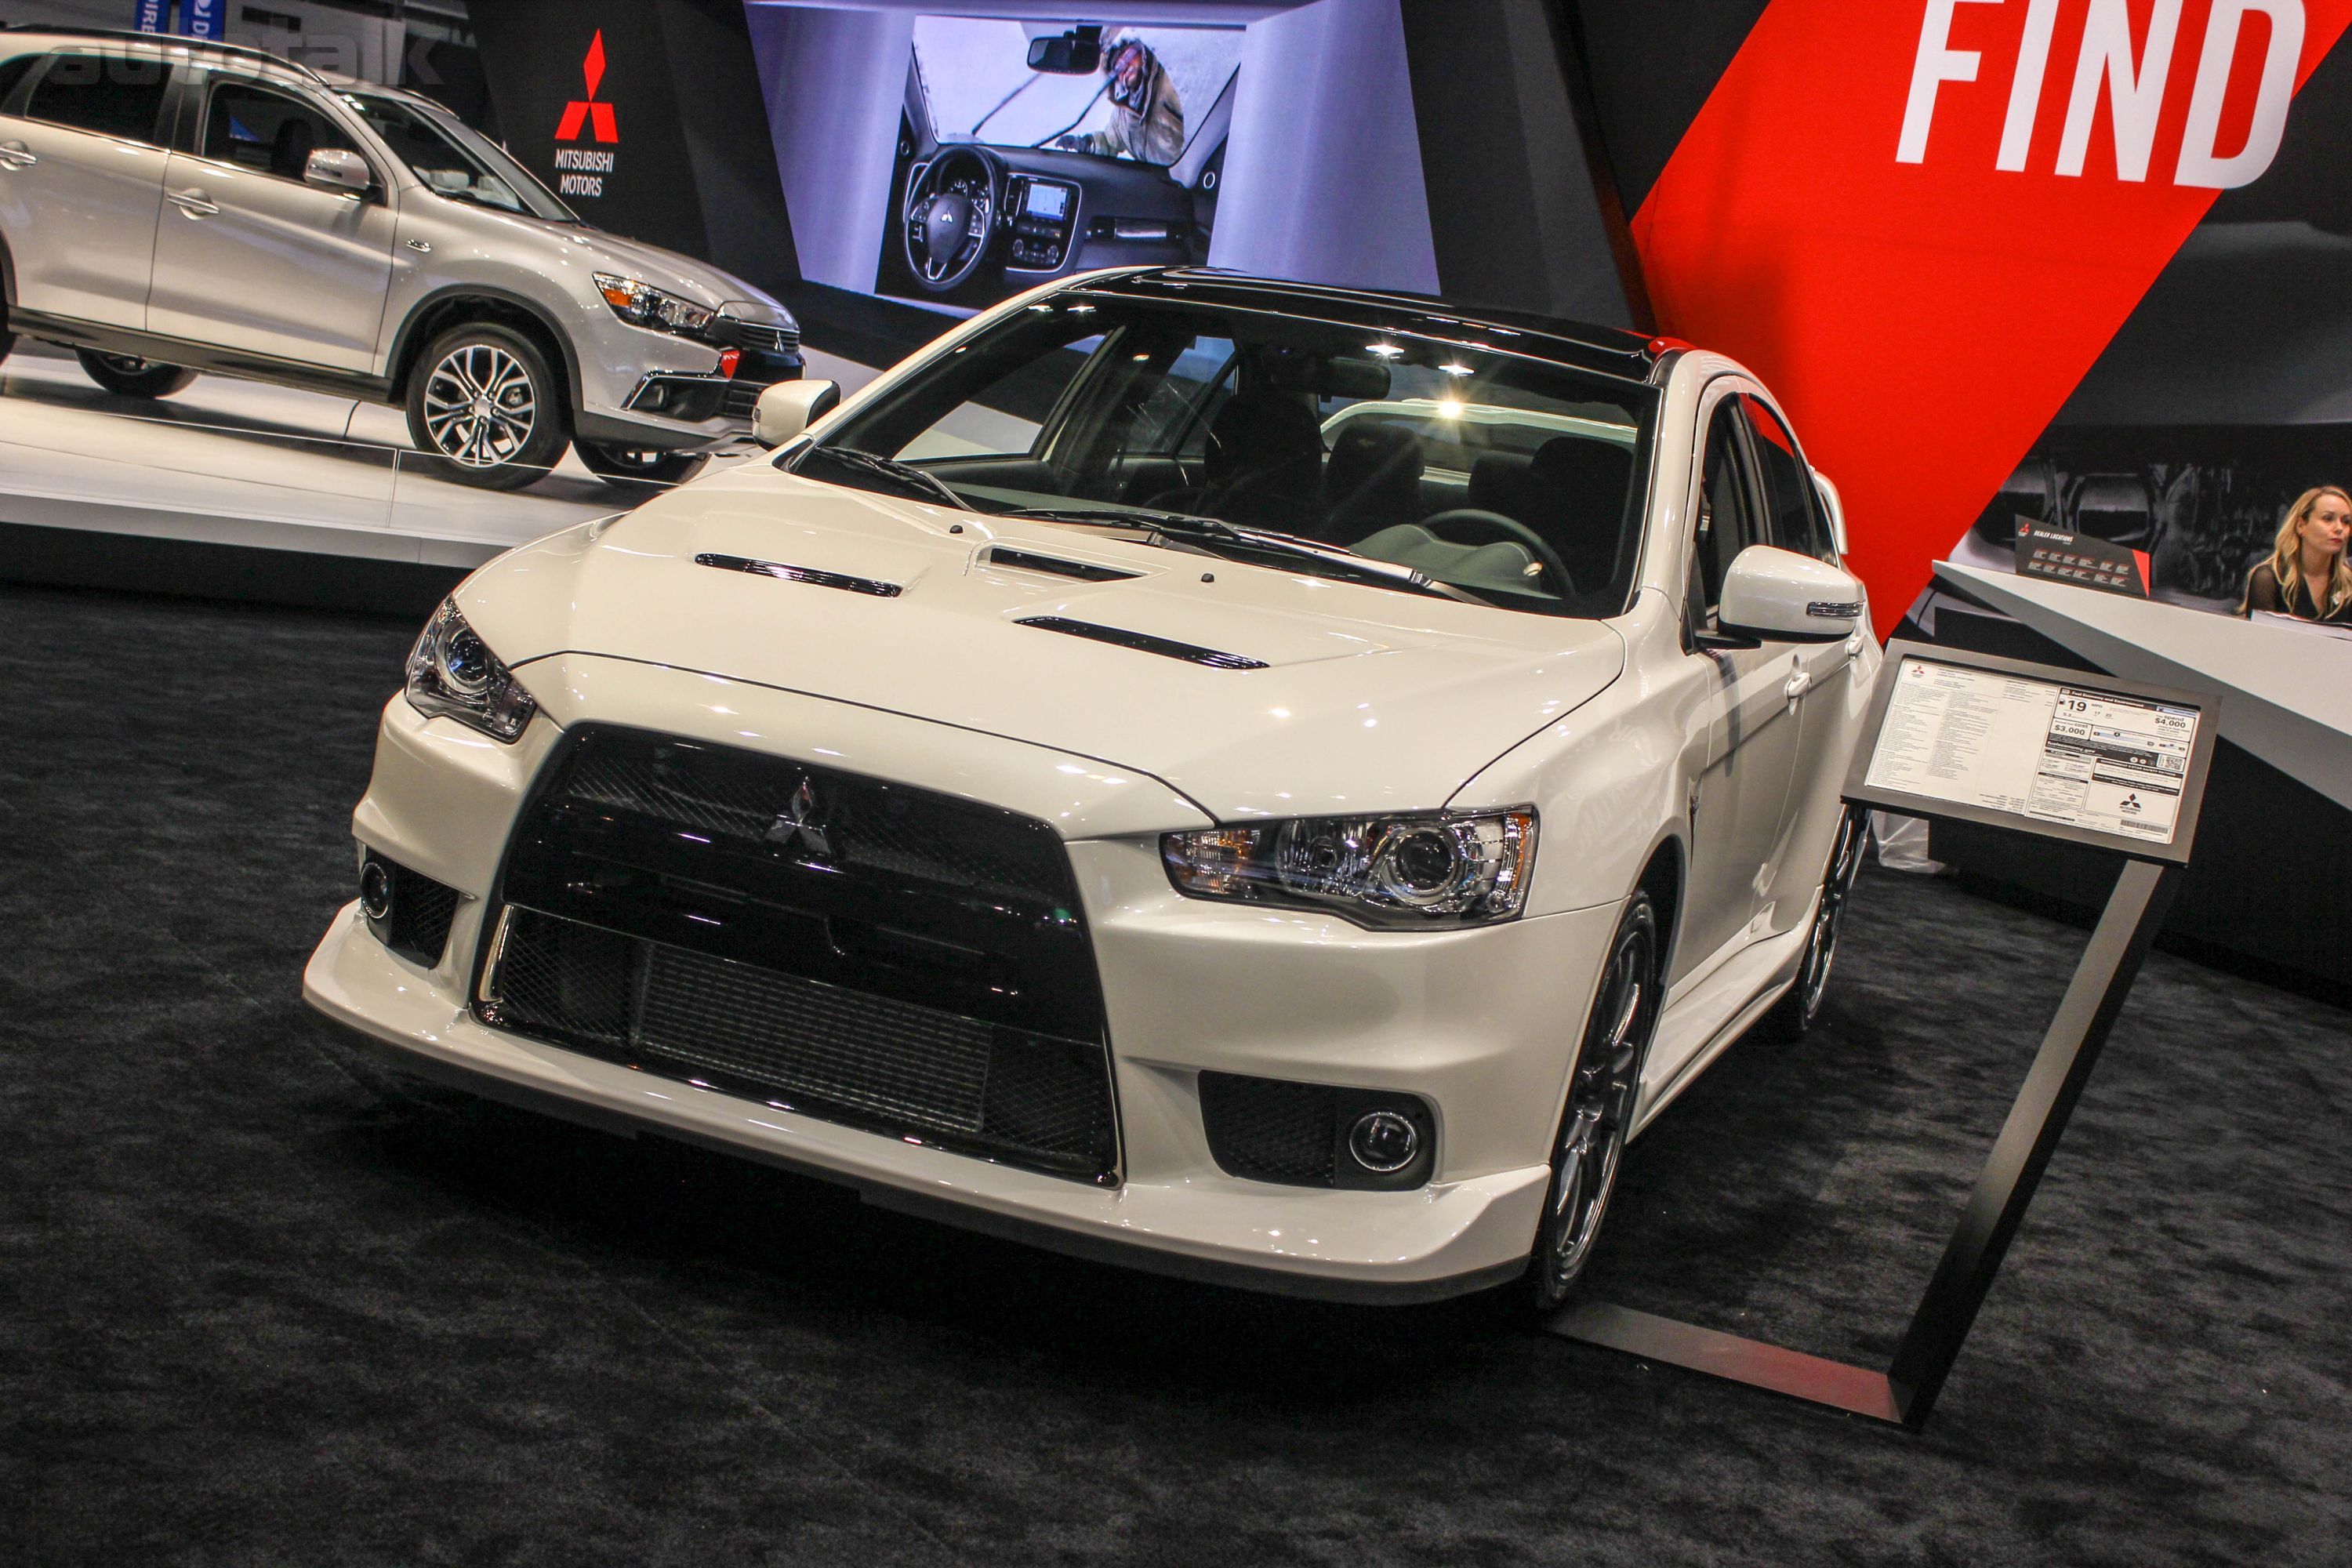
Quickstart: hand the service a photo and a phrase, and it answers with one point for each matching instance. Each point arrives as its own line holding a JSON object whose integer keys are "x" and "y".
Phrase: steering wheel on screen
{"x": 951, "y": 215}
{"x": 1478, "y": 520}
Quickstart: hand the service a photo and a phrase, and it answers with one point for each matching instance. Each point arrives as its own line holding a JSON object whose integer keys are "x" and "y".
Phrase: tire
{"x": 128, "y": 376}
{"x": 638, "y": 465}
{"x": 1603, "y": 1089}
{"x": 1792, "y": 1017}
{"x": 485, "y": 409}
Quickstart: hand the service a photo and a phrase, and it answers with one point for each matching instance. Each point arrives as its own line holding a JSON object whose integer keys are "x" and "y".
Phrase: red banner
{"x": 1920, "y": 223}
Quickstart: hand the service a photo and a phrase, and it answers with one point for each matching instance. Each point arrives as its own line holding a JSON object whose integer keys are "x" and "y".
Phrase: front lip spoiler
{"x": 1029, "y": 1232}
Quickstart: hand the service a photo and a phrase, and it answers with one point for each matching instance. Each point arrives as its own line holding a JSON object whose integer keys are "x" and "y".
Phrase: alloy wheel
{"x": 1821, "y": 944}
{"x": 479, "y": 408}
{"x": 1601, "y": 1100}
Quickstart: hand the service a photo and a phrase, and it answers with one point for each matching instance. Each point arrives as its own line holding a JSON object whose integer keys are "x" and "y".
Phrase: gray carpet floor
{"x": 261, "y": 1303}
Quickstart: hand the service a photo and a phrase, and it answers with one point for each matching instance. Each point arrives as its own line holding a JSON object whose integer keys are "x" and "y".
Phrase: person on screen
{"x": 2306, "y": 575}
{"x": 1147, "y": 117}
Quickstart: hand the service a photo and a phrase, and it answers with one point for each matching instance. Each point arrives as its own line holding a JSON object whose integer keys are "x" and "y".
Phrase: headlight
{"x": 453, "y": 673}
{"x": 643, "y": 305}
{"x": 1433, "y": 868}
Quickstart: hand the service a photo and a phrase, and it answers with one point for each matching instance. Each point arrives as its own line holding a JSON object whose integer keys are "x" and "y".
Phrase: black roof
{"x": 1612, "y": 350}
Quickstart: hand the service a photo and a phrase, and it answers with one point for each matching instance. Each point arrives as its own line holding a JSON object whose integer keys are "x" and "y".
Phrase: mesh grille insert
{"x": 824, "y": 1050}
{"x": 1268, "y": 1130}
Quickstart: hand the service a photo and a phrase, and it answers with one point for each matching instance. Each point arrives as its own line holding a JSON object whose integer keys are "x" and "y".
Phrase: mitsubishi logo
{"x": 802, "y": 820}
{"x": 590, "y": 113}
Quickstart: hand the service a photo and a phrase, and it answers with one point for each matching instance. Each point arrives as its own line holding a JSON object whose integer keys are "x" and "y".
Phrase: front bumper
{"x": 1480, "y": 1023}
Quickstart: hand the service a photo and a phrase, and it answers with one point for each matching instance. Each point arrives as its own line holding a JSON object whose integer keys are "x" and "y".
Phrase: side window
{"x": 268, "y": 131}
{"x": 1728, "y": 513}
{"x": 14, "y": 72}
{"x": 109, "y": 95}
{"x": 1796, "y": 521}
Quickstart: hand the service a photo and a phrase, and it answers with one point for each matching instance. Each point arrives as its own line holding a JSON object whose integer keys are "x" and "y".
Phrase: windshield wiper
{"x": 1212, "y": 531}
{"x": 930, "y": 485}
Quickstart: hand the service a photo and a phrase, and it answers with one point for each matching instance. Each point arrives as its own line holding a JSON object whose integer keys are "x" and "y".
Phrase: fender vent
{"x": 1143, "y": 642}
{"x": 1085, "y": 570}
{"x": 809, "y": 574}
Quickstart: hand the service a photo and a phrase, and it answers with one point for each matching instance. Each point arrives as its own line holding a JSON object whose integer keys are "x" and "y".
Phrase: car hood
{"x": 681, "y": 275}
{"x": 1366, "y": 699}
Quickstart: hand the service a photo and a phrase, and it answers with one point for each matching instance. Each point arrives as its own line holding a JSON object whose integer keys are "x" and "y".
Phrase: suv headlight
{"x": 453, "y": 673}
{"x": 643, "y": 305}
{"x": 1412, "y": 872}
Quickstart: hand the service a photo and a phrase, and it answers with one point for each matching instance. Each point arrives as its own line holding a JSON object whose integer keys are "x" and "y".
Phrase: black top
{"x": 1612, "y": 351}
{"x": 2266, "y": 591}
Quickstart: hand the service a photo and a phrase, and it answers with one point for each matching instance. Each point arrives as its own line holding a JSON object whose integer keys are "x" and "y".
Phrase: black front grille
{"x": 767, "y": 339}
{"x": 863, "y": 951}
{"x": 820, "y": 1049}
{"x": 740, "y": 399}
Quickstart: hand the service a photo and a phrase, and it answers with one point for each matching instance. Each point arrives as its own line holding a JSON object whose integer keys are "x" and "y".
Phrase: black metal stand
{"x": 1904, "y": 1394}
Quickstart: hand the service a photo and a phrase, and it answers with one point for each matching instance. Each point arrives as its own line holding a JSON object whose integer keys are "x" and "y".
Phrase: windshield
{"x": 1314, "y": 447}
{"x": 454, "y": 161}
{"x": 1154, "y": 89}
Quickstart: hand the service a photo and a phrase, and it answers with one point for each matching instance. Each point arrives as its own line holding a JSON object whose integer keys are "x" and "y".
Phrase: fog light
{"x": 1383, "y": 1140}
{"x": 375, "y": 890}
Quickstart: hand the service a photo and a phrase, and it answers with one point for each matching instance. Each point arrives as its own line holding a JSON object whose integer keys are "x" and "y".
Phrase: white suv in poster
{"x": 167, "y": 209}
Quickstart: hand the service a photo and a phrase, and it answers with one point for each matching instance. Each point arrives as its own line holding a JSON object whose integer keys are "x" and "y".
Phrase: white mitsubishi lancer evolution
{"x": 1272, "y": 782}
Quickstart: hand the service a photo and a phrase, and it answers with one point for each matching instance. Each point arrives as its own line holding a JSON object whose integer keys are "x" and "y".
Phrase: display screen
{"x": 1049, "y": 201}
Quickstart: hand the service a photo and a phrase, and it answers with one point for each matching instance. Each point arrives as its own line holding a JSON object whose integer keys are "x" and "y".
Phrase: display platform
{"x": 249, "y": 490}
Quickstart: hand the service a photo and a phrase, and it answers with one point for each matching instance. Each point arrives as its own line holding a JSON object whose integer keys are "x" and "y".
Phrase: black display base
{"x": 1906, "y": 1393}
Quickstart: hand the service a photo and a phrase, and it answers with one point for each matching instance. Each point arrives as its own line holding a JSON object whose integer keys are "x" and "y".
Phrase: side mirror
{"x": 789, "y": 407}
{"x": 1075, "y": 53}
{"x": 337, "y": 169}
{"x": 1782, "y": 596}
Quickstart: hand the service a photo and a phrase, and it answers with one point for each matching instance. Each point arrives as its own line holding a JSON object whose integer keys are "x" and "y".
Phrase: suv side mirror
{"x": 1780, "y": 596}
{"x": 337, "y": 169}
{"x": 1075, "y": 53}
{"x": 789, "y": 407}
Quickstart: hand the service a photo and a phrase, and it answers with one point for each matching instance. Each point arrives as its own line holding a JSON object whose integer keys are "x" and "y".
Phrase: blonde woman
{"x": 2306, "y": 575}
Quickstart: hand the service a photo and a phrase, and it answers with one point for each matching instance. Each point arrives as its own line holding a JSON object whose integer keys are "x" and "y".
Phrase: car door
{"x": 1752, "y": 723}
{"x": 81, "y": 176}
{"x": 249, "y": 257}
{"x": 1796, "y": 520}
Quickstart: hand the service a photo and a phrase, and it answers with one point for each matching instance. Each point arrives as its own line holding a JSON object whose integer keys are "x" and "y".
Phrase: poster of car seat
{"x": 1025, "y": 147}
{"x": 953, "y": 158}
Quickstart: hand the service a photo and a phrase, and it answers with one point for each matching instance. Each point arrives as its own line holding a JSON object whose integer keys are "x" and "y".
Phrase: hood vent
{"x": 801, "y": 575}
{"x": 1143, "y": 642}
{"x": 1030, "y": 561}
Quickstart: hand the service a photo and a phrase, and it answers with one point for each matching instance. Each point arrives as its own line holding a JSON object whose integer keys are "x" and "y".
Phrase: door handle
{"x": 422, "y": 246}
{"x": 17, "y": 156}
{"x": 194, "y": 203}
{"x": 1798, "y": 685}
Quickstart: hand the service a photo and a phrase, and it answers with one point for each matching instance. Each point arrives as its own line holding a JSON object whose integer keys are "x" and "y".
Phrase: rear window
{"x": 108, "y": 95}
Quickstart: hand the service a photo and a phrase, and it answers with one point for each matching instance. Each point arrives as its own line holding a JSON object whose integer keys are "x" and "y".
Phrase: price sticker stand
{"x": 2044, "y": 753}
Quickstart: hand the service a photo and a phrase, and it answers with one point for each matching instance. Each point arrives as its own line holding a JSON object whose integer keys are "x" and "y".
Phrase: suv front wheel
{"x": 484, "y": 405}
{"x": 128, "y": 376}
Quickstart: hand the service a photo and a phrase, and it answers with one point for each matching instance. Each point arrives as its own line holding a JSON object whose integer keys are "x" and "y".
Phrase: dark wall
{"x": 1513, "y": 211}
{"x": 689, "y": 166}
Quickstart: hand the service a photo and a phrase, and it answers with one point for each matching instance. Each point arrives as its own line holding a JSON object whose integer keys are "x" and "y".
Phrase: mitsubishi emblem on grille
{"x": 800, "y": 820}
